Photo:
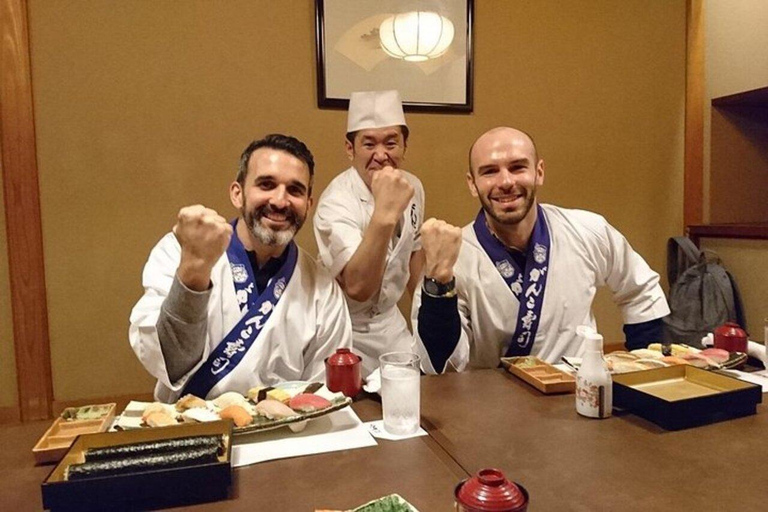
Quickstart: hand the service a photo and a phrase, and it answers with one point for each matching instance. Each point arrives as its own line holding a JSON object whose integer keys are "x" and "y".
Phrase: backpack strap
{"x": 738, "y": 303}
{"x": 677, "y": 246}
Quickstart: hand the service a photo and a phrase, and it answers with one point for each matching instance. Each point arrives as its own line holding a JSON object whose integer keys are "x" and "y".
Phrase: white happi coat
{"x": 308, "y": 324}
{"x": 586, "y": 252}
{"x": 342, "y": 216}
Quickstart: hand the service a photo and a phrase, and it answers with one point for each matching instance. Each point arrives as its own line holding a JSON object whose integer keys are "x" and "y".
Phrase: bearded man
{"x": 229, "y": 306}
{"x": 521, "y": 278}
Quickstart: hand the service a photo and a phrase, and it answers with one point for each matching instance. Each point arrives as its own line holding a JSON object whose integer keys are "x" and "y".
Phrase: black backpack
{"x": 702, "y": 293}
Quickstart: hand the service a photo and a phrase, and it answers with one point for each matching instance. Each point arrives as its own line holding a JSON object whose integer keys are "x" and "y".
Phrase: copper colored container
{"x": 490, "y": 491}
{"x": 343, "y": 373}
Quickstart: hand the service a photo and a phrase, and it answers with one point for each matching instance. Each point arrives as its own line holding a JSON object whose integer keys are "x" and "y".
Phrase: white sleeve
{"x": 419, "y": 199}
{"x": 635, "y": 286}
{"x": 334, "y": 330}
{"x": 337, "y": 231}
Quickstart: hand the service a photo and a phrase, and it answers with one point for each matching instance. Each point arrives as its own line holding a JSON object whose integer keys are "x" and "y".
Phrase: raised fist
{"x": 204, "y": 236}
{"x": 441, "y": 243}
{"x": 391, "y": 194}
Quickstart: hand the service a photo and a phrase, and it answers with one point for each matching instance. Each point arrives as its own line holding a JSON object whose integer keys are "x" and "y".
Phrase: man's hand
{"x": 391, "y": 194}
{"x": 441, "y": 243}
{"x": 204, "y": 236}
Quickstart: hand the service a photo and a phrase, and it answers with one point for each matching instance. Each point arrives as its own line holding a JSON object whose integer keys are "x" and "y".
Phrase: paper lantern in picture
{"x": 416, "y": 36}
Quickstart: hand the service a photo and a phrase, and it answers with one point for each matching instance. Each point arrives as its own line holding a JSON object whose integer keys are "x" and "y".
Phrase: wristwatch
{"x": 435, "y": 288}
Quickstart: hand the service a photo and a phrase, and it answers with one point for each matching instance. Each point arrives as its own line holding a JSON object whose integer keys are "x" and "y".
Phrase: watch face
{"x": 432, "y": 288}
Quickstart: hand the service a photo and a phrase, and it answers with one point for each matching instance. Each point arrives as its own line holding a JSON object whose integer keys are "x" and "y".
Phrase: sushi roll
{"x": 154, "y": 447}
{"x": 140, "y": 463}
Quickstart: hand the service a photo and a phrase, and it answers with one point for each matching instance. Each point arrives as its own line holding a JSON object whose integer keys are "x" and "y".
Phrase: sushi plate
{"x": 131, "y": 416}
{"x": 735, "y": 360}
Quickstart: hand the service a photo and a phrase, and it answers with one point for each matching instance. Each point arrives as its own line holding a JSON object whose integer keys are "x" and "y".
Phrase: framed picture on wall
{"x": 422, "y": 48}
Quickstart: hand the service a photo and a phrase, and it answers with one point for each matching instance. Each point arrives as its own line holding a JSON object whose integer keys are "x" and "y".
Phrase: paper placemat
{"x": 377, "y": 430}
{"x": 760, "y": 378}
{"x": 341, "y": 430}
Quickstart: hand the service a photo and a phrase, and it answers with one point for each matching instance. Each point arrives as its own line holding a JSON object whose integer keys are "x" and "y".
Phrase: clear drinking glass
{"x": 400, "y": 392}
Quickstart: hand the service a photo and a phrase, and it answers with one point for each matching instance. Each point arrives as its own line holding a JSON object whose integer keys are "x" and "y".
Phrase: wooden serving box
{"x": 62, "y": 433}
{"x": 541, "y": 375}
{"x": 683, "y": 396}
{"x": 146, "y": 489}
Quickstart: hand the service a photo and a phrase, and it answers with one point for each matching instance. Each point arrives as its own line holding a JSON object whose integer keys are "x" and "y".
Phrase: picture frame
{"x": 350, "y": 54}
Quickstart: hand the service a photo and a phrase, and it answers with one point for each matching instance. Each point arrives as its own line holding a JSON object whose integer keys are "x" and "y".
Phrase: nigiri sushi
{"x": 238, "y": 414}
{"x": 159, "y": 419}
{"x": 644, "y": 353}
{"x": 718, "y": 355}
{"x": 307, "y": 402}
{"x": 189, "y": 402}
{"x": 699, "y": 360}
{"x": 156, "y": 407}
{"x": 274, "y": 409}
{"x": 230, "y": 398}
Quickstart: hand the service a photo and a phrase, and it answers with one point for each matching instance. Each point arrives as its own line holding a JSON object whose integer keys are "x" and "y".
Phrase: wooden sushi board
{"x": 539, "y": 374}
{"x": 59, "y": 437}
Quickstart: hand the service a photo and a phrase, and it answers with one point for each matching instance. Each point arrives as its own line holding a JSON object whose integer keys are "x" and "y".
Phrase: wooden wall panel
{"x": 693, "y": 202}
{"x": 22, "y": 212}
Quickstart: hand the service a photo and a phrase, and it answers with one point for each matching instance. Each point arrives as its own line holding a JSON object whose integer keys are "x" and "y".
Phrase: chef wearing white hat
{"x": 367, "y": 225}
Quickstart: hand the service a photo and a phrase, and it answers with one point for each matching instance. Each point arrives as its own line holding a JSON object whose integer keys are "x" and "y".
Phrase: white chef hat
{"x": 374, "y": 109}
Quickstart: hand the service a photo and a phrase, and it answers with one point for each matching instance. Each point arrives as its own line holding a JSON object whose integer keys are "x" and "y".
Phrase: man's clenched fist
{"x": 391, "y": 194}
{"x": 441, "y": 243}
{"x": 204, "y": 236}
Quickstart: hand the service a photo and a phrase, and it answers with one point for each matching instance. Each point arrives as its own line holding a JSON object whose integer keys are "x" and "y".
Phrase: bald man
{"x": 522, "y": 276}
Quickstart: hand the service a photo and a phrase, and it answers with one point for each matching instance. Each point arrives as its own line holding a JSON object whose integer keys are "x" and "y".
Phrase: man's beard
{"x": 510, "y": 218}
{"x": 269, "y": 236}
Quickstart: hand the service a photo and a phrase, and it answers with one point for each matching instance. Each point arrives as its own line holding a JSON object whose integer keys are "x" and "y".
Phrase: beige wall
{"x": 8, "y": 395}
{"x": 746, "y": 260}
{"x": 737, "y": 61}
{"x": 736, "y": 42}
{"x": 144, "y": 106}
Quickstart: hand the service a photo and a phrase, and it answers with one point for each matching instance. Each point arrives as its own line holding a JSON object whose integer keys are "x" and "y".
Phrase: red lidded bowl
{"x": 731, "y": 337}
{"x": 343, "y": 373}
{"x": 490, "y": 490}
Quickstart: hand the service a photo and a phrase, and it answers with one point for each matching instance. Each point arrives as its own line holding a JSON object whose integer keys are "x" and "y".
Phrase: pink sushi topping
{"x": 307, "y": 402}
{"x": 716, "y": 354}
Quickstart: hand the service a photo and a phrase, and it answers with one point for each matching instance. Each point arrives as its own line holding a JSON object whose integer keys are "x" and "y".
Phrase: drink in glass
{"x": 400, "y": 392}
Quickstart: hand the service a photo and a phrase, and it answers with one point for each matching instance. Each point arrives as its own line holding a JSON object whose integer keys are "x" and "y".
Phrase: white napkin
{"x": 340, "y": 430}
{"x": 373, "y": 382}
{"x": 377, "y": 430}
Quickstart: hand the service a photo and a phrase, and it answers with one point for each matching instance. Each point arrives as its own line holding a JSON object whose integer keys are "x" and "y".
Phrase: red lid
{"x": 731, "y": 329}
{"x": 343, "y": 357}
{"x": 489, "y": 490}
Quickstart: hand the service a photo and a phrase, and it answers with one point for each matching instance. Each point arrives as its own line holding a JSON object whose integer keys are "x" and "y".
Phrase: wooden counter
{"x": 418, "y": 469}
{"x": 490, "y": 418}
{"x": 483, "y": 419}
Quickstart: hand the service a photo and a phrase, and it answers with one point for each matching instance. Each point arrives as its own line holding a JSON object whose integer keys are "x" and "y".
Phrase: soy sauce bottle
{"x": 594, "y": 386}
